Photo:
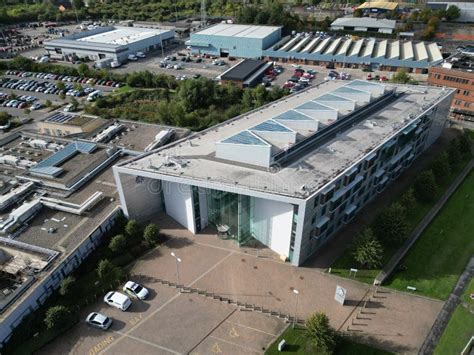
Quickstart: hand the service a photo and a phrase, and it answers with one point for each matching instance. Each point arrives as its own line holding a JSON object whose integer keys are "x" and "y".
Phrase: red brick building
{"x": 458, "y": 73}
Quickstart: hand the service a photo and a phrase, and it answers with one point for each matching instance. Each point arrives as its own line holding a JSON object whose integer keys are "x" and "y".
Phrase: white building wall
{"x": 251, "y": 154}
{"x": 278, "y": 218}
{"x": 179, "y": 204}
{"x": 140, "y": 196}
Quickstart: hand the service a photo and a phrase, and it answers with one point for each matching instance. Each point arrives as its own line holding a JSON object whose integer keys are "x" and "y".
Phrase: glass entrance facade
{"x": 232, "y": 210}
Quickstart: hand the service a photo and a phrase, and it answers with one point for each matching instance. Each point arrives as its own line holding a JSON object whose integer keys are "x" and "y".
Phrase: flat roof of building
{"x": 240, "y": 31}
{"x": 364, "y": 22}
{"x": 122, "y": 35}
{"x": 314, "y": 169}
{"x": 242, "y": 70}
{"x": 459, "y": 62}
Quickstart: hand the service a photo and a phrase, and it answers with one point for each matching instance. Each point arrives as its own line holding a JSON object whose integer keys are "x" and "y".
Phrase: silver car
{"x": 98, "y": 320}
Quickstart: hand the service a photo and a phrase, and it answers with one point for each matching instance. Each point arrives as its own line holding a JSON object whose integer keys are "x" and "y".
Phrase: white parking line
{"x": 254, "y": 329}
{"x": 234, "y": 344}
{"x": 124, "y": 334}
{"x": 147, "y": 342}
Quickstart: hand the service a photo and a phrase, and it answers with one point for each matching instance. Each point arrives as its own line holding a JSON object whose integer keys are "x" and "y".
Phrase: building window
{"x": 467, "y": 104}
{"x": 457, "y": 102}
{"x": 466, "y": 93}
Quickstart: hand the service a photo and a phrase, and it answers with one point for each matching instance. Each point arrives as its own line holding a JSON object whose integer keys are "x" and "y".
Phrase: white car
{"x": 140, "y": 55}
{"x": 303, "y": 79}
{"x": 135, "y": 290}
{"x": 98, "y": 320}
{"x": 117, "y": 300}
{"x": 132, "y": 57}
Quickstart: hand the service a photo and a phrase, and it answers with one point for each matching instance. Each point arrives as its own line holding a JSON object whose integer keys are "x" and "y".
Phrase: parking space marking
{"x": 216, "y": 348}
{"x": 101, "y": 345}
{"x": 234, "y": 344}
{"x": 254, "y": 329}
{"x": 233, "y": 333}
{"x": 146, "y": 342}
{"x": 124, "y": 334}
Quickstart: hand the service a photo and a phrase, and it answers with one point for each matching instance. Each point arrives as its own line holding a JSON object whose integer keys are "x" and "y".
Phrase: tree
{"x": 48, "y": 103}
{"x": 425, "y": 186}
{"x": 401, "y": 77}
{"x": 74, "y": 102}
{"x": 440, "y": 167}
{"x": 4, "y": 118}
{"x": 368, "y": 251}
{"x": 107, "y": 271}
{"x": 151, "y": 234}
{"x": 357, "y": 13}
{"x": 118, "y": 243}
{"x": 132, "y": 229}
{"x": 454, "y": 152}
{"x": 320, "y": 333}
{"x": 453, "y": 12}
{"x": 408, "y": 199}
{"x": 391, "y": 225}
{"x": 78, "y": 4}
{"x": 60, "y": 85}
{"x": 65, "y": 285}
{"x": 57, "y": 317}
{"x": 465, "y": 145}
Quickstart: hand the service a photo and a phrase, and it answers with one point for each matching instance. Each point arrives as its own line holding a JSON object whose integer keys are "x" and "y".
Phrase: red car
{"x": 288, "y": 85}
{"x": 298, "y": 74}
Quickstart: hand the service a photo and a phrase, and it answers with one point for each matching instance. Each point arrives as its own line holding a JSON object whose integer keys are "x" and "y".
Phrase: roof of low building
{"x": 383, "y": 5}
{"x": 241, "y": 31}
{"x": 242, "y": 70}
{"x": 364, "y": 22}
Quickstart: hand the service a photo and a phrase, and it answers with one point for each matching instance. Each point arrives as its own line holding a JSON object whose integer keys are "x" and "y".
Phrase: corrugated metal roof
{"x": 420, "y": 51}
{"x": 322, "y": 45}
{"x": 356, "y": 47}
{"x": 300, "y": 44}
{"x": 407, "y": 51}
{"x": 311, "y": 44}
{"x": 333, "y": 46}
{"x": 434, "y": 53}
{"x": 344, "y": 47}
{"x": 380, "y": 49}
{"x": 369, "y": 48}
{"x": 233, "y": 30}
{"x": 364, "y": 22}
{"x": 393, "y": 50}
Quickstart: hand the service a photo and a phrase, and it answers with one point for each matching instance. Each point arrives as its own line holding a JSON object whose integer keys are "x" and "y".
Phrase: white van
{"x": 94, "y": 95}
{"x": 115, "y": 64}
{"x": 117, "y": 300}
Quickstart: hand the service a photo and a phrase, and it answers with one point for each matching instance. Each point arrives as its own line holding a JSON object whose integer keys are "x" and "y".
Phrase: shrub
{"x": 320, "y": 334}
{"x": 48, "y": 103}
{"x": 454, "y": 152}
{"x": 4, "y": 117}
{"x": 66, "y": 285}
{"x": 132, "y": 229}
{"x": 391, "y": 225}
{"x": 440, "y": 167}
{"x": 465, "y": 145}
{"x": 118, "y": 243}
{"x": 368, "y": 251}
{"x": 57, "y": 317}
{"x": 107, "y": 271}
{"x": 151, "y": 234}
{"x": 408, "y": 199}
{"x": 425, "y": 186}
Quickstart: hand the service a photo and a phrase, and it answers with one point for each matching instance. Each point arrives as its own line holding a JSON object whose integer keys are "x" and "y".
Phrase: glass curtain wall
{"x": 232, "y": 210}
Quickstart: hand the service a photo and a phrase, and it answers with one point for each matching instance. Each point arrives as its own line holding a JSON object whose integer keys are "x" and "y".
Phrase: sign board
{"x": 340, "y": 296}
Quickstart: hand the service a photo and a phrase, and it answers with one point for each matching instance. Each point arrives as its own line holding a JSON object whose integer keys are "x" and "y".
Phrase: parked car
{"x": 117, "y": 300}
{"x": 140, "y": 55}
{"x": 135, "y": 290}
{"x": 98, "y": 320}
{"x": 36, "y": 106}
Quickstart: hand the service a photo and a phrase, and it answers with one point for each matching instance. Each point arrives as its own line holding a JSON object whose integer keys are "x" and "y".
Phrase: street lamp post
{"x": 178, "y": 260}
{"x": 296, "y": 292}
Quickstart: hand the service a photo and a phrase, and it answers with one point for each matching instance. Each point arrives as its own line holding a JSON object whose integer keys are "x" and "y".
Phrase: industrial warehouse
{"x": 292, "y": 173}
{"x": 116, "y": 43}
{"x": 318, "y": 49}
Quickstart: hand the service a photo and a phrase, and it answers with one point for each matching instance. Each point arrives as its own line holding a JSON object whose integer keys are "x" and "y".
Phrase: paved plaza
{"x": 182, "y": 323}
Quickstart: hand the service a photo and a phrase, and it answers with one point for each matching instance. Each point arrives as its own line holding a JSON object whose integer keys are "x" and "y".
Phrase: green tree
{"x": 118, "y": 243}
{"x": 4, "y": 118}
{"x": 465, "y": 145}
{"x": 57, "y": 317}
{"x": 320, "y": 334}
{"x": 401, "y": 77}
{"x": 107, "y": 271}
{"x": 151, "y": 234}
{"x": 74, "y": 102}
{"x": 368, "y": 251}
{"x": 453, "y": 12}
{"x": 408, "y": 199}
{"x": 454, "y": 152}
{"x": 60, "y": 85}
{"x": 48, "y": 103}
{"x": 425, "y": 186}
{"x": 66, "y": 284}
{"x": 391, "y": 225}
{"x": 440, "y": 167}
{"x": 132, "y": 229}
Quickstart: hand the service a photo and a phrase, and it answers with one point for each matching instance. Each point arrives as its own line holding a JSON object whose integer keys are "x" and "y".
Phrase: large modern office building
{"x": 291, "y": 173}
{"x": 246, "y": 41}
{"x": 109, "y": 42}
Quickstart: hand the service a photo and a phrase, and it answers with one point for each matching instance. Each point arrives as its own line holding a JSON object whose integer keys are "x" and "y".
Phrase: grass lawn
{"x": 342, "y": 265}
{"x": 123, "y": 89}
{"x": 440, "y": 255}
{"x": 460, "y": 327}
{"x": 296, "y": 344}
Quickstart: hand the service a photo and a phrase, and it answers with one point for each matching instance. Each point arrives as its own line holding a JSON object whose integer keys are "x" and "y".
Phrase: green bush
{"x": 57, "y": 317}
{"x": 368, "y": 251}
{"x": 425, "y": 186}
{"x": 151, "y": 234}
{"x": 66, "y": 284}
{"x": 118, "y": 243}
{"x": 320, "y": 334}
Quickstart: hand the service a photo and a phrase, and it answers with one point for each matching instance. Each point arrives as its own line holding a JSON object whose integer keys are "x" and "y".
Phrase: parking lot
{"x": 173, "y": 322}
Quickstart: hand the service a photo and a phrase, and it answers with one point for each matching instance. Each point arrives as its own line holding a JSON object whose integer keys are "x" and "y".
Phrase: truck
{"x": 103, "y": 63}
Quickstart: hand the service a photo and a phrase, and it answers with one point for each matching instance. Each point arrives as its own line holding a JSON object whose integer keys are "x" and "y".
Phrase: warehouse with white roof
{"x": 113, "y": 42}
{"x": 291, "y": 173}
